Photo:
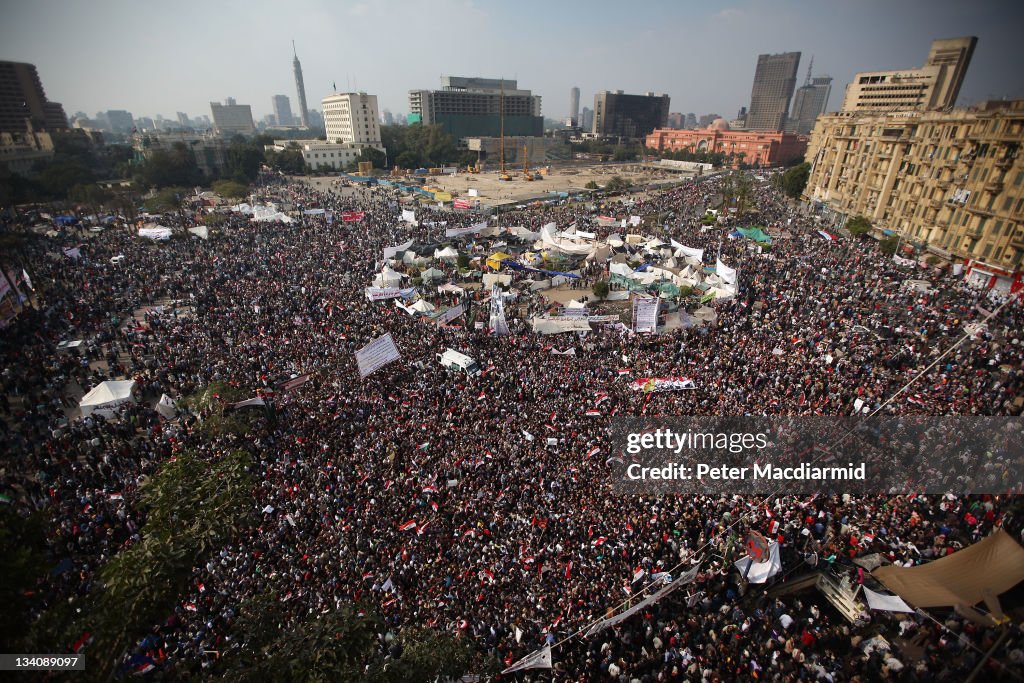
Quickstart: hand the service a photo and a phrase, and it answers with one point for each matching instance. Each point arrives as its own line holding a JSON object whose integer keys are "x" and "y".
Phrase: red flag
{"x": 411, "y": 524}
{"x": 568, "y": 570}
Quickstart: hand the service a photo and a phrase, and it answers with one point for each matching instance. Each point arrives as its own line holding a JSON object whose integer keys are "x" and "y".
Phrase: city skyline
{"x": 232, "y": 54}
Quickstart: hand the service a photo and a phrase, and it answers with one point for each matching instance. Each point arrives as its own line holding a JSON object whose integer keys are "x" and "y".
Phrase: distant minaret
{"x": 303, "y": 112}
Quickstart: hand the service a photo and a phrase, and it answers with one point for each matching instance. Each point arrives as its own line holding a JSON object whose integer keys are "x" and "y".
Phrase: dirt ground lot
{"x": 493, "y": 191}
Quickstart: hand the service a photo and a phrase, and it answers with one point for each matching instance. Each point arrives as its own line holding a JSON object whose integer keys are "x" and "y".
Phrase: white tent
{"x": 451, "y": 289}
{"x": 431, "y": 274}
{"x": 423, "y": 306}
{"x": 202, "y": 232}
{"x": 411, "y": 258}
{"x": 446, "y": 254}
{"x": 166, "y": 407}
{"x": 575, "y": 304}
{"x": 387, "y": 278}
{"x": 106, "y": 397}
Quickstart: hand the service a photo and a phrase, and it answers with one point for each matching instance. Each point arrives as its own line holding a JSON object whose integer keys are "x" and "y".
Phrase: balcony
{"x": 994, "y": 186}
{"x": 944, "y": 184}
{"x": 935, "y": 203}
{"x": 974, "y": 233}
{"x": 981, "y": 211}
{"x": 1005, "y": 162}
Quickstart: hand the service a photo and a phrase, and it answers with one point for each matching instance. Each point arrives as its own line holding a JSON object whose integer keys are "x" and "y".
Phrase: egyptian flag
{"x": 411, "y": 524}
{"x": 594, "y": 413}
{"x": 568, "y": 570}
{"x": 593, "y": 451}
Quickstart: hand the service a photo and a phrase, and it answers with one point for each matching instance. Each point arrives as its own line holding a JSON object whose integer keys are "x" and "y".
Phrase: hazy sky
{"x": 152, "y": 58}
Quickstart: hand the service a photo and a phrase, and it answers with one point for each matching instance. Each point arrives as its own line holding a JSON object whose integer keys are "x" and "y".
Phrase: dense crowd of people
{"x": 517, "y": 541}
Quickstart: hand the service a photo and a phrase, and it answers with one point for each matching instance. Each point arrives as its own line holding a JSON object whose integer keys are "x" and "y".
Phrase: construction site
{"x": 525, "y": 185}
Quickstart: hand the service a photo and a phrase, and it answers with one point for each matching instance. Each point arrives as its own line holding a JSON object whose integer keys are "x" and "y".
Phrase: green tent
{"x": 756, "y": 234}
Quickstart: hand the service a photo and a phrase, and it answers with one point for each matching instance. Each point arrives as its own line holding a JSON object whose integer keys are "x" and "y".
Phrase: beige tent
{"x": 993, "y": 565}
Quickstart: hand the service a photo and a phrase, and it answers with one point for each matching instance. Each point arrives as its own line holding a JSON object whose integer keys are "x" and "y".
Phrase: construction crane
{"x": 526, "y": 165}
{"x": 502, "y": 174}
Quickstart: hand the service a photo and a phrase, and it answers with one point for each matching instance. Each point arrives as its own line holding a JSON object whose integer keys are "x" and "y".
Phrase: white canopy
{"x": 423, "y": 306}
{"x": 446, "y": 254}
{"x": 107, "y": 396}
{"x": 431, "y": 274}
{"x": 387, "y": 278}
{"x": 202, "y": 232}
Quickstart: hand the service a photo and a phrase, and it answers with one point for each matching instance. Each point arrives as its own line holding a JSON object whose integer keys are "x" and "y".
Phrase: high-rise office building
{"x": 300, "y": 89}
{"x": 282, "y": 110}
{"x": 574, "y": 106}
{"x": 690, "y": 121}
{"x": 774, "y": 82}
{"x": 183, "y": 119}
{"x": 120, "y": 121}
{"x": 810, "y": 102}
{"x": 230, "y": 118}
{"x": 631, "y": 116}
{"x": 472, "y": 107}
{"x": 935, "y": 85}
{"x": 22, "y": 98}
{"x": 352, "y": 118}
{"x": 587, "y": 118}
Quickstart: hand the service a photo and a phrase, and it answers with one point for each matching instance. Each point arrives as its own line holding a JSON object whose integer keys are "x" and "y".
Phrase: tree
{"x": 194, "y": 504}
{"x": 22, "y": 563}
{"x": 616, "y": 184}
{"x": 177, "y": 166}
{"x": 591, "y": 185}
{"x": 794, "y": 180}
{"x": 462, "y": 260}
{"x": 601, "y": 289}
{"x": 166, "y": 200}
{"x": 888, "y": 246}
{"x": 290, "y": 161}
{"x": 230, "y": 189}
{"x": 374, "y": 156}
{"x": 858, "y": 226}
{"x": 243, "y": 160}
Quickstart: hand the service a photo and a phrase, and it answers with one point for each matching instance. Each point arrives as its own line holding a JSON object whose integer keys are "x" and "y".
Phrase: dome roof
{"x": 719, "y": 124}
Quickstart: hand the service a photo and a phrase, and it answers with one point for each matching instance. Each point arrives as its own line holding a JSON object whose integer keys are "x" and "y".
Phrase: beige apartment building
{"x": 935, "y": 85}
{"x": 952, "y": 180}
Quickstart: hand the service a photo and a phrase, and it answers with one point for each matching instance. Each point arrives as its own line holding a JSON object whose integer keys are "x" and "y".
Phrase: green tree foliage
{"x": 244, "y": 159}
{"x": 57, "y": 178}
{"x": 289, "y": 161}
{"x": 374, "y": 156}
{"x": 194, "y": 504}
{"x": 888, "y": 246}
{"x": 166, "y": 200}
{"x": 616, "y": 184}
{"x": 601, "y": 289}
{"x": 176, "y": 166}
{"x": 794, "y": 180}
{"x": 591, "y": 185}
{"x": 418, "y": 146}
{"x": 858, "y": 226}
{"x": 22, "y": 563}
{"x": 230, "y": 188}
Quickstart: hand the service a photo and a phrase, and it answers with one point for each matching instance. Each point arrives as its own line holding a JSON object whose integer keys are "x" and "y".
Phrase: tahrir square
{"x": 330, "y": 394}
